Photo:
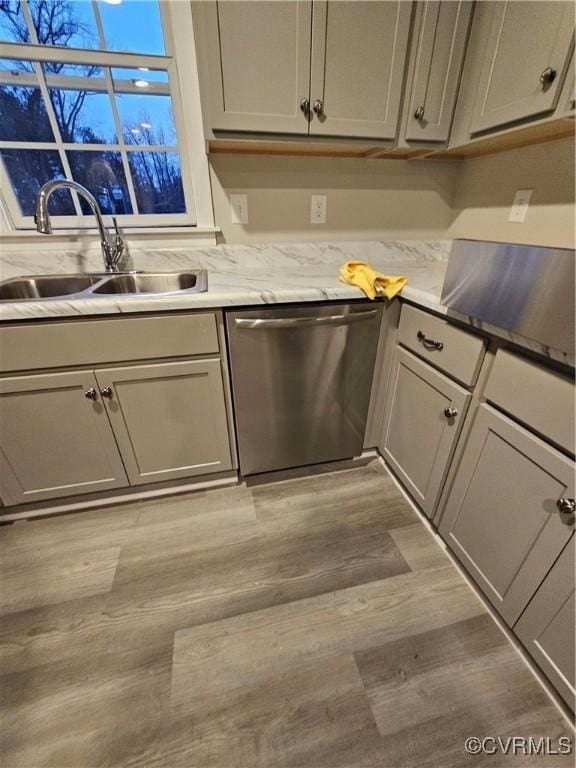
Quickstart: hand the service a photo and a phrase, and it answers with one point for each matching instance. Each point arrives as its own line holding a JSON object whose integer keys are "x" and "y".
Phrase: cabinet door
{"x": 259, "y": 64}
{"x": 526, "y": 41}
{"x": 169, "y": 419}
{"x": 418, "y": 435}
{"x": 54, "y": 440}
{"x": 501, "y": 517}
{"x": 546, "y": 628}
{"x": 358, "y": 58}
{"x": 438, "y": 56}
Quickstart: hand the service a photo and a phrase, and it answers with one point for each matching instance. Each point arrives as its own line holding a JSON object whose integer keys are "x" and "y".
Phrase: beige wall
{"x": 400, "y": 199}
{"x": 485, "y": 189}
{"x": 367, "y": 199}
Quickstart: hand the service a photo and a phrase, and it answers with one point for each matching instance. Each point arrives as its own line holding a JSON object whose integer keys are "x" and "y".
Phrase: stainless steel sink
{"x": 103, "y": 284}
{"x": 46, "y": 286}
{"x": 193, "y": 281}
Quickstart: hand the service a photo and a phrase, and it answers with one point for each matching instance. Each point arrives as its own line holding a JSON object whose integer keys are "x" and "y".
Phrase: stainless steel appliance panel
{"x": 525, "y": 289}
{"x": 301, "y": 380}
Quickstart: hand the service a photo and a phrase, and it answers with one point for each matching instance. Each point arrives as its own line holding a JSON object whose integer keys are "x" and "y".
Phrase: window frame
{"x": 180, "y": 64}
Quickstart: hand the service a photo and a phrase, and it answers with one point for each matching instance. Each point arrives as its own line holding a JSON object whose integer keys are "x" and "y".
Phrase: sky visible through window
{"x": 132, "y": 25}
{"x": 139, "y": 169}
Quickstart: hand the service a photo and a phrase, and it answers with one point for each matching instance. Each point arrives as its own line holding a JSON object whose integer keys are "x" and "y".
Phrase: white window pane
{"x": 157, "y": 182}
{"x": 23, "y": 114}
{"x": 12, "y": 24}
{"x": 134, "y": 26}
{"x": 28, "y": 170}
{"x": 146, "y": 119}
{"x": 83, "y": 116}
{"x": 103, "y": 174}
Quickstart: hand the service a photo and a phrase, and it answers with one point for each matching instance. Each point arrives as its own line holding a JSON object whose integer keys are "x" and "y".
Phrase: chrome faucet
{"x": 112, "y": 249}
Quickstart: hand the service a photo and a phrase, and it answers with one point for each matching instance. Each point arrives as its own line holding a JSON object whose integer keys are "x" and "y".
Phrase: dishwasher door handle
{"x": 301, "y": 322}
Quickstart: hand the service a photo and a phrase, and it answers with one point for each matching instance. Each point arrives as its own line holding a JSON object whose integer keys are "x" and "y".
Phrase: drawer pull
{"x": 450, "y": 413}
{"x": 429, "y": 343}
{"x": 567, "y": 506}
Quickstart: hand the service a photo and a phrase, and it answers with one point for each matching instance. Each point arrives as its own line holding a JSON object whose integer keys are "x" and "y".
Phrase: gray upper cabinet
{"x": 55, "y": 438}
{"x": 359, "y": 52}
{"x": 259, "y": 64}
{"x": 169, "y": 418}
{"x": 423, "y": 416}
{"x": 546, "y": 628}
{"x": 328, "y": 68}
{"x": 439, "y": 43}
{"x": 525, "y": 59}
{"x": 503, "y": 518}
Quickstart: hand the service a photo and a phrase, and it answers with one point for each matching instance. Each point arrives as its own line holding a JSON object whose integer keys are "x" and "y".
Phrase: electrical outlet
{"x": 239, "y": 209}
{"x": 318, "y": 209}
{"x": 520, "y": 205}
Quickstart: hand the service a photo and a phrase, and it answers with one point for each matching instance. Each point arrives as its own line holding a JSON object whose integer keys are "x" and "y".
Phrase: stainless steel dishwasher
{"x": 301, "y": 381}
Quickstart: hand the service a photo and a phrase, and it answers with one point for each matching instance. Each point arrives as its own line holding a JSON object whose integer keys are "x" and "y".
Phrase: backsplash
{"x": 228, "y": 258}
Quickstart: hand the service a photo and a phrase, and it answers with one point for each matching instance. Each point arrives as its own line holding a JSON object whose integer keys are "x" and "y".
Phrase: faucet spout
{"x": 112, "y": 249}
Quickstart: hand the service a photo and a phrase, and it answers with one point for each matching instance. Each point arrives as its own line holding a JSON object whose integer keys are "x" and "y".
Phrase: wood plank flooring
{"x": 306, "y": 621}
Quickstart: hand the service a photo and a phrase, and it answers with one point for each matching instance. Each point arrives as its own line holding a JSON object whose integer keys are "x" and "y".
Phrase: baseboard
{"x": 133, "y": 494}
{"x": 518, "y": 647}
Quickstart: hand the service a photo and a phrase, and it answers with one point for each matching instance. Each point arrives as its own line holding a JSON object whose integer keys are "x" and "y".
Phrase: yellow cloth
{"x": 371, "y": 282}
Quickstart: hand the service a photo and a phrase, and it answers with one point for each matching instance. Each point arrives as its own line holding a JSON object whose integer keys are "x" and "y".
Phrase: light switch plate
{"x": 318, "y": 209}
{"x": 239, "y": 209}
{"x": 520, "y": 205}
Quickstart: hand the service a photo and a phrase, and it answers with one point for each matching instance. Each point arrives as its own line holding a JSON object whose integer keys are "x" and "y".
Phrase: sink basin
{"x": 91, "y": 286}
{"x": 193, "y": 281}
{"x": 46, "y": 286}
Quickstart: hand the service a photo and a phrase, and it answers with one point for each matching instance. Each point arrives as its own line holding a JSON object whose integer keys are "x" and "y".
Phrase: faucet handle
{"x": 118, "y": 244}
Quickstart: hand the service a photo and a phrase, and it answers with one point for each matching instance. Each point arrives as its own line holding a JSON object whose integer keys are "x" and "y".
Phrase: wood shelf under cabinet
{"x": 524, "y": 136}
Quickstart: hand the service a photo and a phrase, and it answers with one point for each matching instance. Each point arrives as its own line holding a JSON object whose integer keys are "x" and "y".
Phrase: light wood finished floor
{"x": 311, "y": 621}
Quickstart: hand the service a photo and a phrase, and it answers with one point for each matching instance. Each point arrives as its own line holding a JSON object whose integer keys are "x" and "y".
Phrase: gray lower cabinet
{"x": 258, "y": 64}
{"x": 55, "y": 438}
{"x": 423, "y": 415}
{"x": 169, "y": 419}
{"x": 525, "y": 59}
{"x": 437, "y": 55}
{"x": 502, "y": 517}
{"x": 546, "y": 628}
{"x": 359, "y": 52}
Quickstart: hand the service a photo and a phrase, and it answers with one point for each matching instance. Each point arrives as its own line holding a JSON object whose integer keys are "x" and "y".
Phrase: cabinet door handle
{"x": 318, "y": 107}
{"x": 305, "y": 107}
{"x": 429, "y": 343}
{"x": 567, "y": 506}
{"x": 419, "y": 114}
{"x": 106, "y": 392}
{"x": 91, "y": 394}
{"x": 548, "y": 76}
{"x": 450, "y": 413}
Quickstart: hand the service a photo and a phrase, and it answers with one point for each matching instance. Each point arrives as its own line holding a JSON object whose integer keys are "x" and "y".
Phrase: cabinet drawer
{"x": 537, "y": 396}
{"x": 446, "y": 346}
{"x": 89, "y": 342}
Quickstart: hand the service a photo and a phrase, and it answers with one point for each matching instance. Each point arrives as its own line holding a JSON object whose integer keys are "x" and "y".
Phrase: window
{"x": 89, "y": 91}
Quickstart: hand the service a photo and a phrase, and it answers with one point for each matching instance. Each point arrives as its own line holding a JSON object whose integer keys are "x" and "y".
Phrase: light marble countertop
{"x": 237, "y": 276}
{"x": 251, "y": 275}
